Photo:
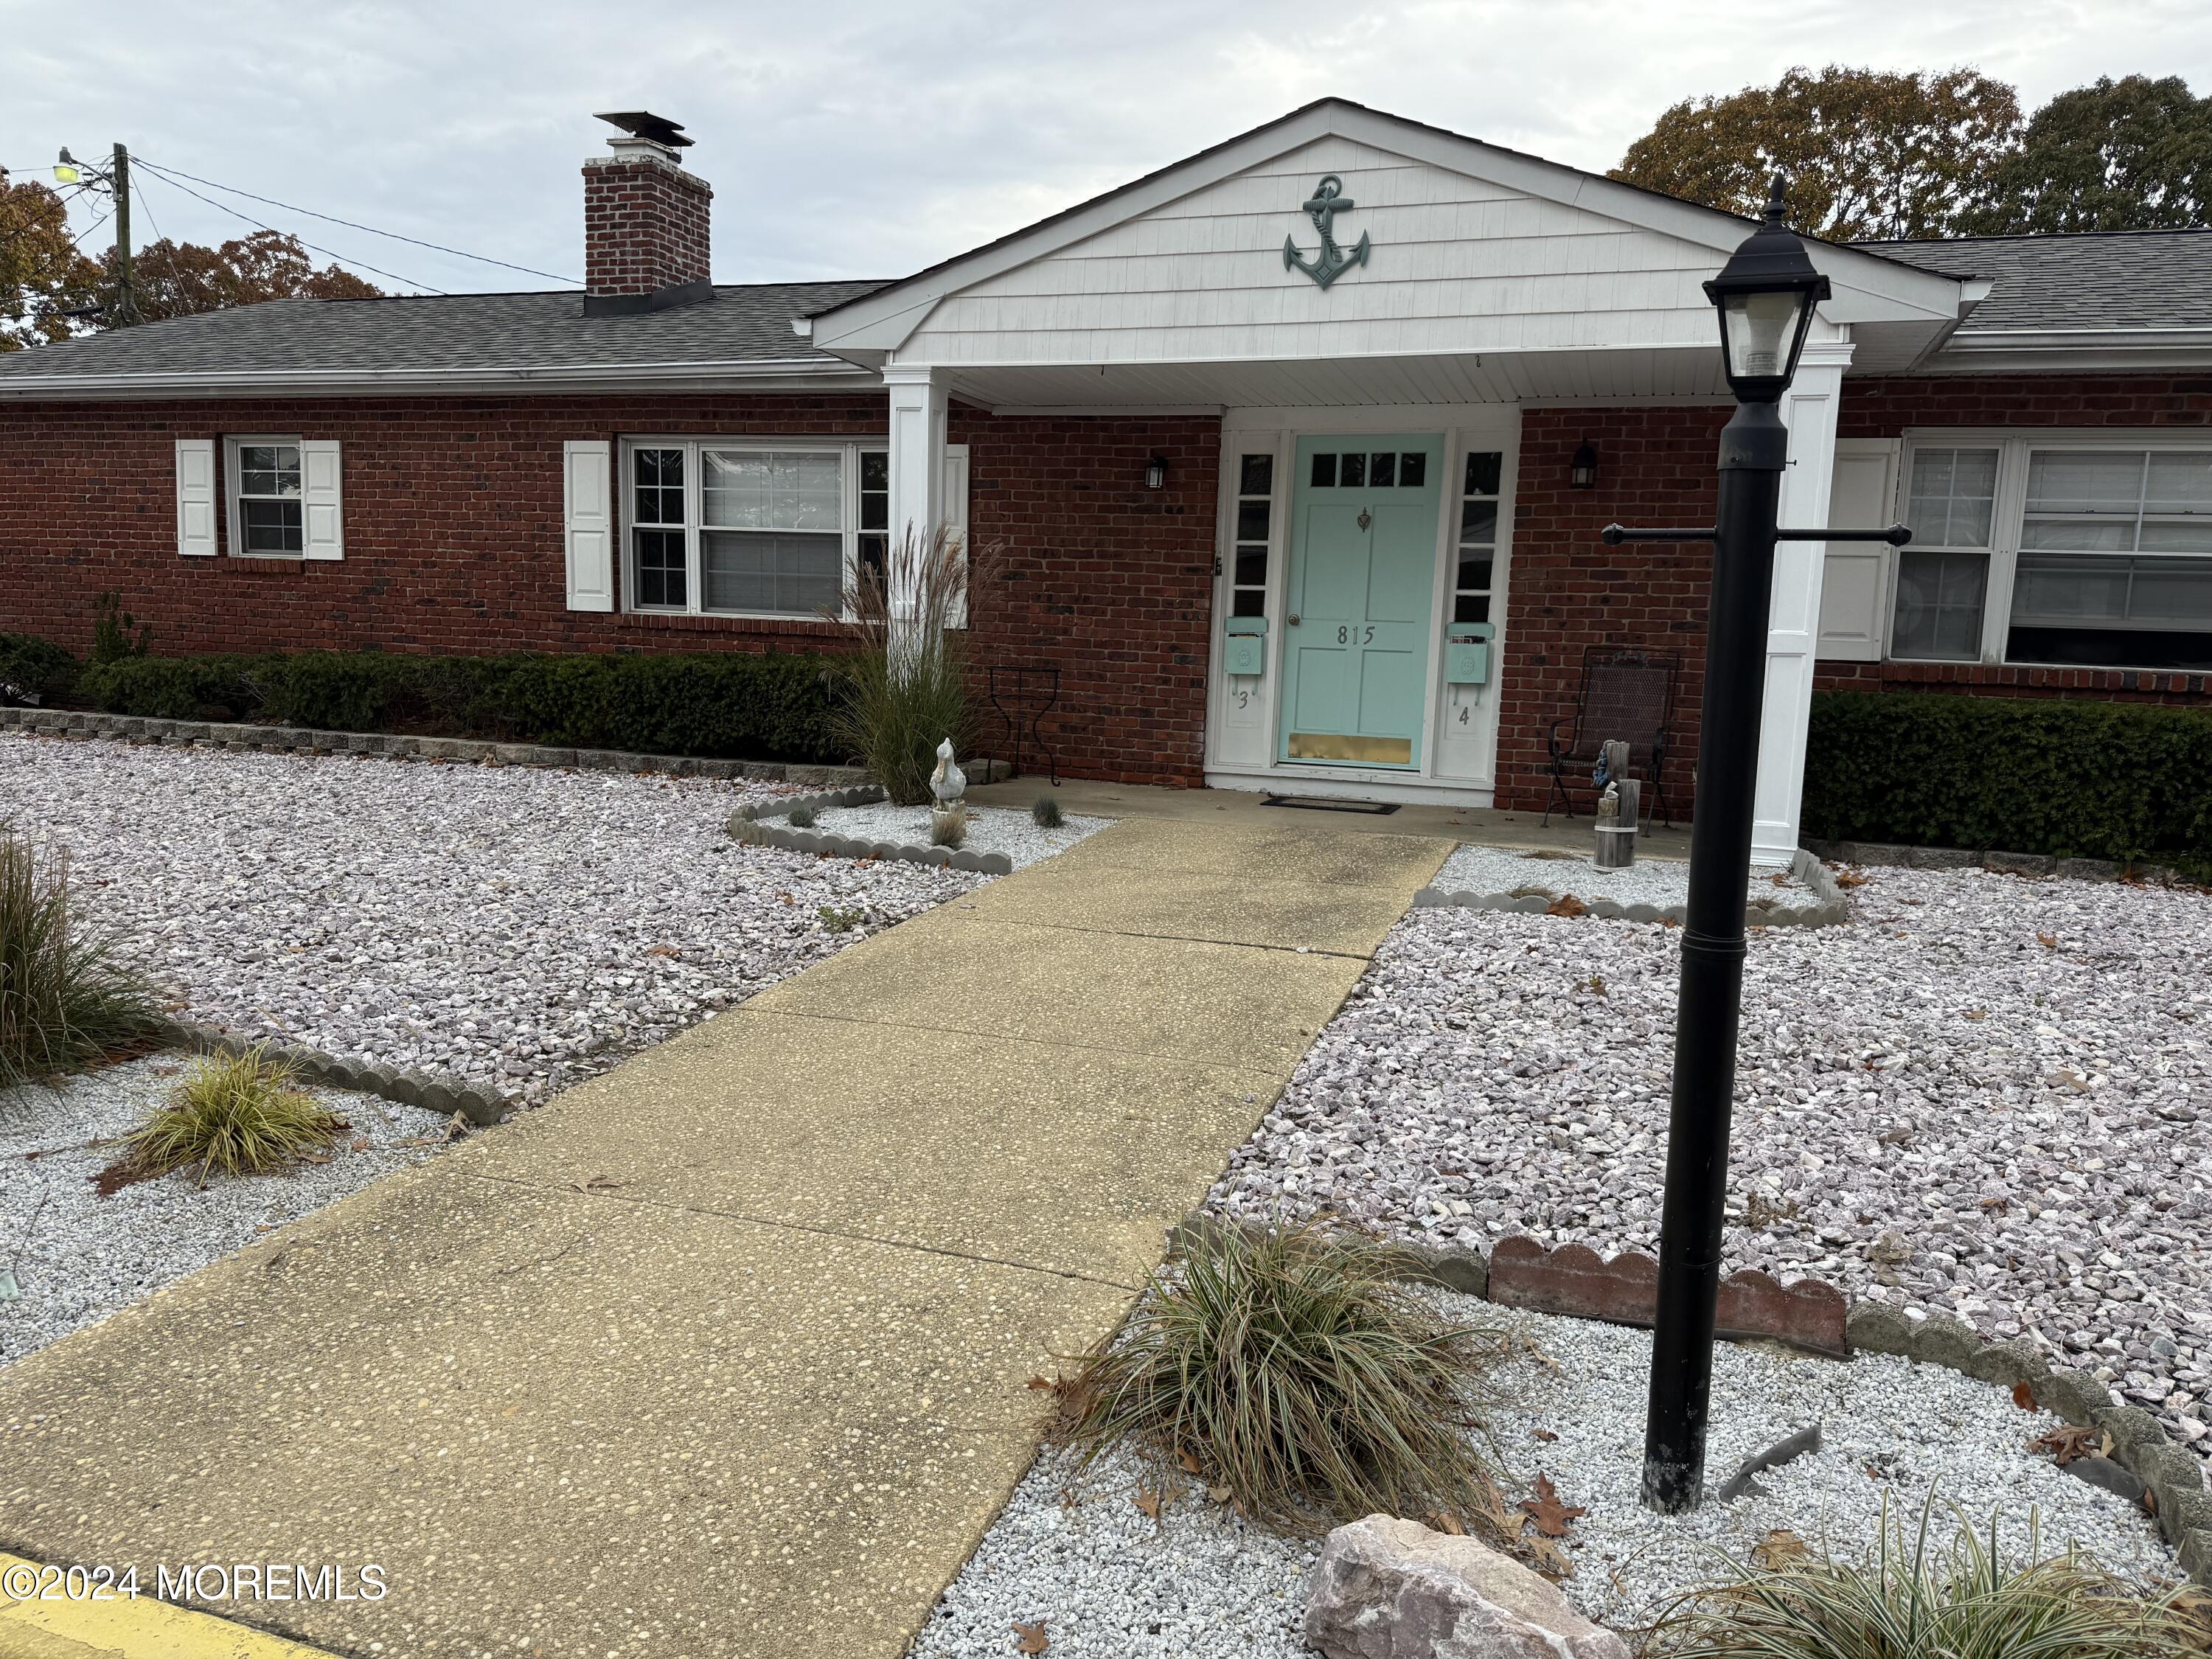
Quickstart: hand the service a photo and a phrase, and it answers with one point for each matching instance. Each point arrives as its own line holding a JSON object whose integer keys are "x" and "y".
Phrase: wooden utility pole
{"x": 126, "y": 300}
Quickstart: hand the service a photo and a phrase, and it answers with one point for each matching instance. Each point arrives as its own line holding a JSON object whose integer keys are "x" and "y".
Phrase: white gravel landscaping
{"x": 990, "y": 830}
{"x": 1108, "y": 1580}
{"x": 1484, "y": 870}
{"x": 1986, "y": 1095}
{"x": 513, "y": 926}
{"x": 76, "y": 1256}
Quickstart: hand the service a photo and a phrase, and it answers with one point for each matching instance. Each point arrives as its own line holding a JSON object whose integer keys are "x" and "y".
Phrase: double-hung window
{"x": 752, "y": 528}
{"x": 268, "y": 511}
{"x": 2068, "y": 550}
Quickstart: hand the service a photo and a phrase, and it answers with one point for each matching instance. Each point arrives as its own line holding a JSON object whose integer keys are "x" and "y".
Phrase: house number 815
{"x": 1343, "y": 635}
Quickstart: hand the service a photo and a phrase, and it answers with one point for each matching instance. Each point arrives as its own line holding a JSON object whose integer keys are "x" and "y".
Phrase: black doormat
{"x": 1373, "y": 809}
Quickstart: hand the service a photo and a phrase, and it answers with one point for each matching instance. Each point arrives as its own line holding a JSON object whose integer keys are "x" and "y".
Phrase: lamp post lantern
{"x": 1765, "y": 295}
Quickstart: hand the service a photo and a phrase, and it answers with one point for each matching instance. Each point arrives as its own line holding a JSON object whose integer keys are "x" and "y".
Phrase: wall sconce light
{"x": 1156, "y": 473}
{"x": 1581, "y": 471}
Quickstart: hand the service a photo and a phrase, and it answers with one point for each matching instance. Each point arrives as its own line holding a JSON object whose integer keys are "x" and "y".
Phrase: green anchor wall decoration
{"x": 1327, "y": 201}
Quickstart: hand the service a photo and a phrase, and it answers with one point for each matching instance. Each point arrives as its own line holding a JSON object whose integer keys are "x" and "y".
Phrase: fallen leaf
{"x": 1779, "y": 1548}
{"x": 2023, "y": 1396}
{"x": 1566, "y": 905}
{"x": 1545, "y": 1434}
{"x": 1151, "y": 1503}
{"x": 1187, "y": 1461}
{"x": 1443, "y": 1521}
{"x": 1850, "y": 878}
{"x": 1551, "y": 1560}
{"x": 1219, "y": 1494}
{"x": 1033, "y": 1640}
{"x": 1976, "y": 1013}
{"x": 2070, "y": 1442}
{"x": 359, "y": 1144}
{"x": 1047, "y": 1384}
{"x": 662, "y": 951}
{"x": 1551, "y": 1516}
{"x": 2048, "y": 941}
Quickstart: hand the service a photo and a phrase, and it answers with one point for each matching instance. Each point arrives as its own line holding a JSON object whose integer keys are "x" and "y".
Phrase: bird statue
{"x": 948, "y": 782}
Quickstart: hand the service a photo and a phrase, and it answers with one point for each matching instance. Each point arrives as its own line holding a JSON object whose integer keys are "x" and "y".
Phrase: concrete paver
{"x": 725, "y": 1352}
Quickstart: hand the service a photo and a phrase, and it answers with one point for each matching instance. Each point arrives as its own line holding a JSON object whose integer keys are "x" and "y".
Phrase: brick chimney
{"x": 645, "y": 221}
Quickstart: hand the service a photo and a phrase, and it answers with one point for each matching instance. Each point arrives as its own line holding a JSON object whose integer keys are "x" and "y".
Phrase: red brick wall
{"x": 646, "y": 225}
{"x": 452, "y": 519}
{"x": 1570, "y": 591}
{"x": 1109, "y": 581}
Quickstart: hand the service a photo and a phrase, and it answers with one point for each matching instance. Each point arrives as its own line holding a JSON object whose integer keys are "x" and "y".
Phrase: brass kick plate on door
{"x": 1365, "y": 751}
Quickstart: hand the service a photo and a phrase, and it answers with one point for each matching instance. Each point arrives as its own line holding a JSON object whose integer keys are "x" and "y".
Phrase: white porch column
{"x": 1809, "y": 410}
{"x": 917, "y": 451}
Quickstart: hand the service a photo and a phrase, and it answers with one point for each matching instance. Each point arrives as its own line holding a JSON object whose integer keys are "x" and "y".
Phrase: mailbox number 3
{"x": 1345, "y": 635}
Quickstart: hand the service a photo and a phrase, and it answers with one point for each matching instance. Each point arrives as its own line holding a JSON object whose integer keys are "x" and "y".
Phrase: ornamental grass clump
{"x": 905, "y": 685}
{"x": 1045, "y": 813}
{"x": 1298, "y": 1371}
{"x": 66, "y": 998}
{"x": 1954, "y": 1600}
{"x": 236, "y": 1114}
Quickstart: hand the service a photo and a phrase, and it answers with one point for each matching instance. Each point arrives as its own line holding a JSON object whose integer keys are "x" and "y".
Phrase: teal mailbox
{"x": 1244, "y": 651}
{"x": 1467, "y": 654}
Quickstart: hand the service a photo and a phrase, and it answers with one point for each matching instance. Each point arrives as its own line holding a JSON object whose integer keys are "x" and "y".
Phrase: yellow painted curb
{"x": 56, "y": 1626}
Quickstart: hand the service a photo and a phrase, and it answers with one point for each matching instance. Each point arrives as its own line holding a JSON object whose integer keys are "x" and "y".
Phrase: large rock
{"x": 1393, "y": 1589}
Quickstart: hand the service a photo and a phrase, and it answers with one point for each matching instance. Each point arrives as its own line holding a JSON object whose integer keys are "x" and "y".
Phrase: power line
{"x": 173, "y": 174}
{"x": 327, "y": 252}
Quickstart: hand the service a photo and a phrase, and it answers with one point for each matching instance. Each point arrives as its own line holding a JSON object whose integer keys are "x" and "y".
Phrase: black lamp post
{"x": 1765, "y": 294}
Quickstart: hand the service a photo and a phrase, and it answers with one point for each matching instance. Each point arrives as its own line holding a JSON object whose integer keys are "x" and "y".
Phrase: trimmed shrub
{"x": 735, "y": 705}
{"x": 35, "y": 665}
{"x": 2079, "y": 779}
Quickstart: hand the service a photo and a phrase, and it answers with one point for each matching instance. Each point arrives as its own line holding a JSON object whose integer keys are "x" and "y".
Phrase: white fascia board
{"x": 2071, "y": 351}
{"x": 1870, "y": 288}
{"x": 788, "y": 376}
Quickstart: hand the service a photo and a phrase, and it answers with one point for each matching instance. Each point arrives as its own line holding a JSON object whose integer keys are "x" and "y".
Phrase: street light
{"x": 1766, "y": 296}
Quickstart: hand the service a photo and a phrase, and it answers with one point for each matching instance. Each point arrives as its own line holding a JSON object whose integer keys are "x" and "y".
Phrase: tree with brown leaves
{"x": 1867, "y": 154}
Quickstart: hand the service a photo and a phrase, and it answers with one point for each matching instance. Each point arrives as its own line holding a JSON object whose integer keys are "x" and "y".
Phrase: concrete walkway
{"x": 725, "y": 1352}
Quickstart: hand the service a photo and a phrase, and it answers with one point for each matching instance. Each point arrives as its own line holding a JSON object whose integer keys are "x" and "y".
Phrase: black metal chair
{"x": 1628, "y": 694}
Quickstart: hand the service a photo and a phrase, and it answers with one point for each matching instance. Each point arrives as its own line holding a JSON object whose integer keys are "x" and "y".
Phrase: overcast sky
{"x": 872, "y": 139}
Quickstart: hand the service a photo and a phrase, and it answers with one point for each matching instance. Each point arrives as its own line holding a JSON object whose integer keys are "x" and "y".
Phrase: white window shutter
{"x": 956, "y": 515}
{"x": 588, "y": 533}
{"x": 195, "y": 497}
{"x": 321, "y": 510}
{"x": 1854, "y": 575}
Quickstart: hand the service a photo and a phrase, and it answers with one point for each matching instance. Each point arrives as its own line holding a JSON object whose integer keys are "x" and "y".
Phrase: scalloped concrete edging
{"x": 1890, "y": 855}
{"x": 296, "y": 739}
{"x": 480, "y": 1105}
{"x": 1829, "y": 908}
{"x": 747, "y": 825}
{"x": 2172, "y": 1475}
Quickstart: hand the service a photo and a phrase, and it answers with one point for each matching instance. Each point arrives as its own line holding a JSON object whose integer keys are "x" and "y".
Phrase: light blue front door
{"x": 1362, "y": 569}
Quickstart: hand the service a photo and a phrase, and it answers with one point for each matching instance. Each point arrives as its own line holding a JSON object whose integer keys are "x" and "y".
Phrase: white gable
{"x": 1458, "y": 264}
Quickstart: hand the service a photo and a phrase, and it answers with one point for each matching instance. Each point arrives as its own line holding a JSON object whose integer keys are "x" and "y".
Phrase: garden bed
{"x": 518, "y": 927}
{"x": 76, "y": 1254}
{"x": 990, "y": 830}
{"x": 1108, "y": 1579}
{"x": 1989, "y": 1096}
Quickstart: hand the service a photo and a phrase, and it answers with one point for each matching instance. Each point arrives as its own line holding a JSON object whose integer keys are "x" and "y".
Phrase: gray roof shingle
{"x": 447, "y": 332}
{"x": 2145, "y": 279}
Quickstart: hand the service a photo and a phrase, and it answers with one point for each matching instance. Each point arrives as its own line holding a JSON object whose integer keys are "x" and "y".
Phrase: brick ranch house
{"x": 1254, "y": 518}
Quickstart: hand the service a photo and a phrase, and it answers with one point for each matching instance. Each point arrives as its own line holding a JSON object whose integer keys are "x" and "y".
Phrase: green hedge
{"x": 732, "y": 705}
{"x": 36, "y": 665}
{"x": 2080, "y": 779}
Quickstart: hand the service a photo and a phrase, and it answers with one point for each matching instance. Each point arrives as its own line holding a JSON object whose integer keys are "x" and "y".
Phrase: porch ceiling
{"x": 1659, "y": 374}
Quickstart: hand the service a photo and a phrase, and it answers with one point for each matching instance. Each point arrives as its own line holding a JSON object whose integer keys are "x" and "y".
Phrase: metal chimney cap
{"x": 644, "y": 124}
